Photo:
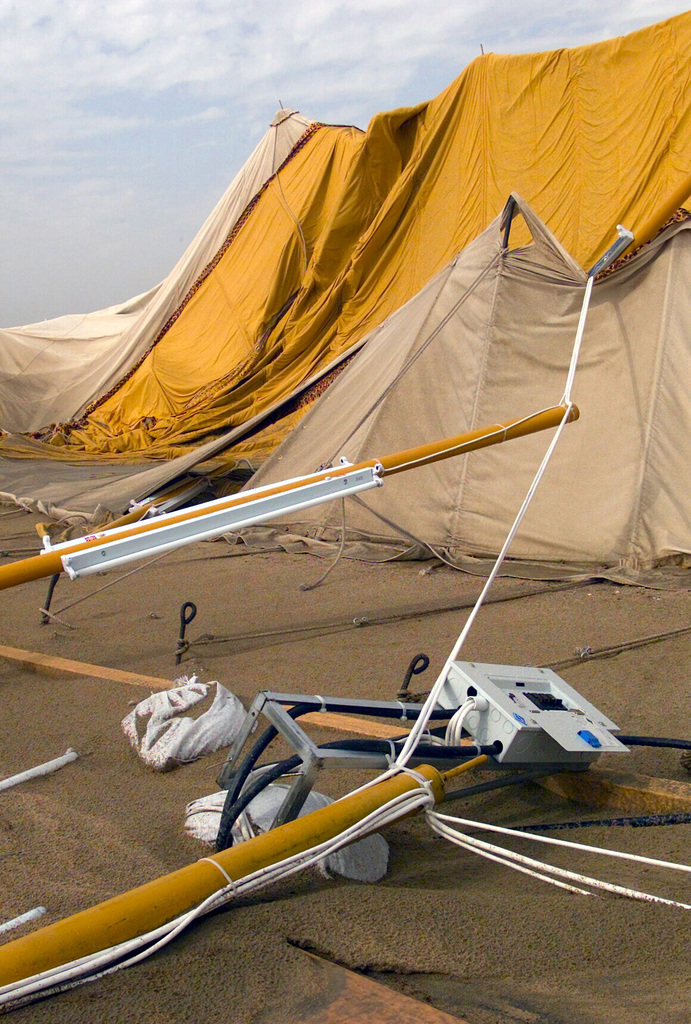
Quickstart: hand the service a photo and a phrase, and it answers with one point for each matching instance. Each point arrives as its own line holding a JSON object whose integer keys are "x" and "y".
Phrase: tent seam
{"x": 417, "y": 354}
{"x": 633, "y": 556}
{"x": 486, "y": 342}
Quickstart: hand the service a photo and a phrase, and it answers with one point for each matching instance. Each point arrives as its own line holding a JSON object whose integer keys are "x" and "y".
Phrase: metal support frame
{"x": 273, "y": 706}
{"x": 399, "y": 710}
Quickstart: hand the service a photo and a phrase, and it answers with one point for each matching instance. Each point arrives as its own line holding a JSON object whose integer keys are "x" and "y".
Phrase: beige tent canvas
{"x": 487, "y": 340}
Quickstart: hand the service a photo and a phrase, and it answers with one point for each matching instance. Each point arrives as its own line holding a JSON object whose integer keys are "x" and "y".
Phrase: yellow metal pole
{"x": 130, "y": 517}
{"x": 149, "y": 906}
{"x": 51, "y": 562}
{"x": 474, "y": 439}
{"x": 35, "y": 568}
{"x": 651, "y": 226}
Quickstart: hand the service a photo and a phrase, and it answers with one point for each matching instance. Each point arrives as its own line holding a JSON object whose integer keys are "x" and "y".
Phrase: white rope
{"x": 506, "y": 862}
{"x": 220, "y": 867}
{"x": 430, "y": 703}
{"x": 566, "y": 397}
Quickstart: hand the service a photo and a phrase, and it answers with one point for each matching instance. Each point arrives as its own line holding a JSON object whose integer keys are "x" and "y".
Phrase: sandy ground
{"x": 471, "y": 937}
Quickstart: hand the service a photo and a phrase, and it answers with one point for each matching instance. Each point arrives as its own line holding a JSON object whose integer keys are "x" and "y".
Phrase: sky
{"x": 122, "y": 123}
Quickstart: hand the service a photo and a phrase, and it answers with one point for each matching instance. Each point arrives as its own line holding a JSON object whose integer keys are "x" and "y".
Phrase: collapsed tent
{"x": 350, "y": 229}
{"x": 489, "y": 340}
{"x": 217, "y": 341}
{"x": 51, "y": 371}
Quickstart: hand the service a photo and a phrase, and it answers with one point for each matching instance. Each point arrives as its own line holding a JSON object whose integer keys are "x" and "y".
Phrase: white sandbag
{"x": 365, "y": 861}
{"x": 163, "y": 739}
{"x": 203, "y": 817}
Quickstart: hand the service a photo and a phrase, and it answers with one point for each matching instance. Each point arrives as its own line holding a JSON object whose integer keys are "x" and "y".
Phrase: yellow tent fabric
{"x": 217, "y": 345}
{"x": 355, "y": 224}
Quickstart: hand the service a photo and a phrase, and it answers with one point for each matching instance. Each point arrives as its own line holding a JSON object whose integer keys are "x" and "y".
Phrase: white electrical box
{"x": 536, "y": 717}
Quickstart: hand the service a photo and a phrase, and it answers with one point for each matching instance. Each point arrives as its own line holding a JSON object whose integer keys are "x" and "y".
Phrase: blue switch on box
{"x": 589, "y": 737}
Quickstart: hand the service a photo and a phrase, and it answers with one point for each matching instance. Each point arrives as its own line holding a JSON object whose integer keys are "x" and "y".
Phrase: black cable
{"x": 301, "y": 709}
{"x": 630, "y": 741}
{"x": 486, "y": 787}
{"x": 45, "y": 618}
{"x": 258, "y": 748}
{"x": 639, "y": 821}
{"x": 430, "y": 751}
{"x": 233, "y": 808}
{"x": 654, "y": 741}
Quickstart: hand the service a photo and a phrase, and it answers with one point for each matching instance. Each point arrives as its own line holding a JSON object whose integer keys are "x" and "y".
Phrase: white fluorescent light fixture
{"x": 215, "y": 522}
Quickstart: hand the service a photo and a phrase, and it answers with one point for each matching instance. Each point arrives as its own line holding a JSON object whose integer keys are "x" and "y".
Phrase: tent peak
{"x": 282, "y": 114}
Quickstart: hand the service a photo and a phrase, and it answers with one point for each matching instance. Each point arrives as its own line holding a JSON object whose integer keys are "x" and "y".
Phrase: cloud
{"x": 58, "y": 55}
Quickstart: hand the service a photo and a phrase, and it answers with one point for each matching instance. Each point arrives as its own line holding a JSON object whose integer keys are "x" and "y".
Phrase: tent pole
{"x": 651, "y": 227}
{"x": 153, "y": 904}
{"x": 657, "y": 221}
{"x": 50, "y": 561}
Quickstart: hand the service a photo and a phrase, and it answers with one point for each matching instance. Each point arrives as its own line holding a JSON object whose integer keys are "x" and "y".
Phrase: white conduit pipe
{"x": 17, "y": 922}
{"x": 515, "y": 860}
{"x": 40, "y": 769}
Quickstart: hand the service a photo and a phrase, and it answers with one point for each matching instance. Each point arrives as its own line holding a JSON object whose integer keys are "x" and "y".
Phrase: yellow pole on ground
{"x": 130, "y": 517}
{"x": 149, "y": 906}
{"x": 50, "y": 562}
